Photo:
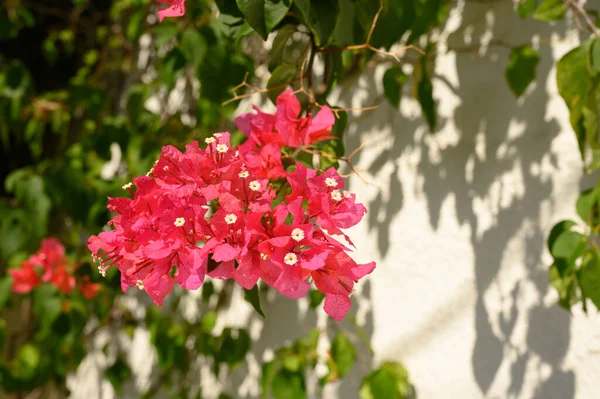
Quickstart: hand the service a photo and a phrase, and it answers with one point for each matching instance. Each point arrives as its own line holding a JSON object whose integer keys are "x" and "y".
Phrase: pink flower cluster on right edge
{"x": 210, "y": 212}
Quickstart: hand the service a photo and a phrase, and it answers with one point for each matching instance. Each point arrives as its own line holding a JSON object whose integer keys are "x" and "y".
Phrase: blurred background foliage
{"x": 91, "y": 90}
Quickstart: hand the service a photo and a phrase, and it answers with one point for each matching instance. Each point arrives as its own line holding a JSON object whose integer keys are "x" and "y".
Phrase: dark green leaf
{"x": 551, "y": 10}
{"x": 425, "y": 94}
{"x": 118, "y": 373}
{"x": 520, "y": 71}
{"x": 393, "y": 80}
{"x": 316, "y": 298}
{"x": 343, "y": 354}
{"x": 280, "y": 44}
{"x": 235, "y": 344}
{"x": 320, "y": 17}
{"x": 5, "y": 289}
{"x": 253, "y": 298}
{"x": 288, "y": 385}
{"x": 526, "y": 7}
{"x": 264, "y": 15}
{"x": 46, "y": 306}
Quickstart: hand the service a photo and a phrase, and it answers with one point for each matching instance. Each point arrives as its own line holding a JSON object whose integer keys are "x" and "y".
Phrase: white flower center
{"x": 126, "y": 186}
{"x": 140, "y": 284}
{"x": 217, "y": 135}
{"x": 290, "y": 259}
{"x": 331, "y": 182}
{"x": 243, "y": 174}
{"x": 336, "y": 195}
{"x": 264, "y": 256}
{"x": 347, "y": 194}
{"x": 209, "y": 140}
{"x": 179, "y": 222}
{"x": 254, "y": 185}
{"x": 230, "y": 218}
{"x": 297, "y": 234}
{"x": 222, "y": 148}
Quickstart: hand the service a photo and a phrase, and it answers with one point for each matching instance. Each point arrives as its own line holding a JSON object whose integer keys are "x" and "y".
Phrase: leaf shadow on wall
{"x": 505, "y": 174}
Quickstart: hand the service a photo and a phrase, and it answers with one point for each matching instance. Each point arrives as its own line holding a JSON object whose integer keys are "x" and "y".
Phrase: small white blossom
{"x": 140, "y": 284}
{"x": 217, "y": 135}
{"x": 264, "y": 256}
{"x": 347, "y": 194}
{"x": 331, "y": 182}
{"x": 209, "y": 140}
{"x": 297, "y": 234}
{"x": 230, "y": 218}
{"x": 336, "y": 195}
{"x": 179, "y": 222}
{"x": 243, "y": 174}
{"x": 126, "y": 186}
{"x": 254, "y": 185}
{"x": 290, "y": 259}
{"x": 222, "y": 148}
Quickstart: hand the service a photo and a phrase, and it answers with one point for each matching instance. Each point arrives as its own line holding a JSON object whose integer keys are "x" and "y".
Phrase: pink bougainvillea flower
{"x": 25, "y": 278}
{"x": 176, "y": 8}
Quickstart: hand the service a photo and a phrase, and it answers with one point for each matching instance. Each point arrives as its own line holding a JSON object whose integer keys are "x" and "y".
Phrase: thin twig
{"x": 578, "y": 9}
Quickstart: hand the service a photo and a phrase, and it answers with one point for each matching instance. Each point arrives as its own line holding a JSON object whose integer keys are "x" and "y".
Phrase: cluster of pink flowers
{"x": 175, "y": 8}
{"x": 55, "y": 268}
{"x": 211, "y": 212}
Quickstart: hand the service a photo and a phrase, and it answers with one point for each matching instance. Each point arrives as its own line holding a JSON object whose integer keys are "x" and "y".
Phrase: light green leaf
{"x": 389, "y": 381}
{"x": 551, "y": 10}
{"x": 589, "y": 279}
{"x": 520, "y": 71}
{"x": 586, "y": 203}
{"x": 193, "y": 46}
{"x": 526, "y": 7}
{"x": 569, "y": 246}
{"x": 343, "y": 354}
{"x": 595, "y": 56}
{"x": 280, "y": 79}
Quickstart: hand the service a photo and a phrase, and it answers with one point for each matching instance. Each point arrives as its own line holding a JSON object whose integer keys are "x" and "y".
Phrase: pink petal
{"x": 337, "y": 306}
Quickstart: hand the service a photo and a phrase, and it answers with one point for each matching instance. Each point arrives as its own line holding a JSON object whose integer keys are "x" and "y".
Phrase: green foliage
{"x": 520, "y": 71}
{"x": 389, "y": 381}
{"x": 551, "y": 10}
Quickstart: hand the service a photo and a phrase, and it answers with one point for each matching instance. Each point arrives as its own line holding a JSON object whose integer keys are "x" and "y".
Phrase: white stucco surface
{"x": 458, "y": 228}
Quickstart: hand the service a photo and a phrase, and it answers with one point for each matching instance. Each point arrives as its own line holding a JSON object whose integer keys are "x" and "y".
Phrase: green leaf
{"x": 595, "y": 56}
{"x": 253, "y": 298}
{"x": 595, "y": 164}
{"x": 574, "y": 81}
{"x": 551, "y": 10}
{"x": 46, "y": 306}
{"x": 316, "y": 298}
{"x": 118, "y": 373}
{"x": 389, "y": 381}
{"x": 209, "y": 320}
{"x": 393, "y": 80}
{"x": 564, "y": 285}
{"x": 193, "y": 46}
{"x": 569, "y": 246}
{"x": 280, "y": 79}
{"x": 520, "y": 71}
{"x": 586, "y": 203}
{"x": 557, "y": 230}
{"x": 425, "y": 94}
{"x": 526, "y": 7}
{"x": 264, "y": 15}
{"x": 589, "y": 279}
{"x": 288, "y": 385}
{"x": 280, "y": 43}
{"x": 343, "y": 354}
{"x": 26, "y": 363}
{"x": 320, "y": 16}
{"x": 234, "y": 346}
{"x": 5, "y": 289}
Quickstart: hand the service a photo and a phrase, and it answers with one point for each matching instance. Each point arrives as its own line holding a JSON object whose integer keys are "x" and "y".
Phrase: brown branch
{"x": 578, "y": 9}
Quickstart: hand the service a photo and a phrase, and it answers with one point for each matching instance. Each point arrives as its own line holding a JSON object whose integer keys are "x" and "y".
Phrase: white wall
{"x": 461, "y": 293}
